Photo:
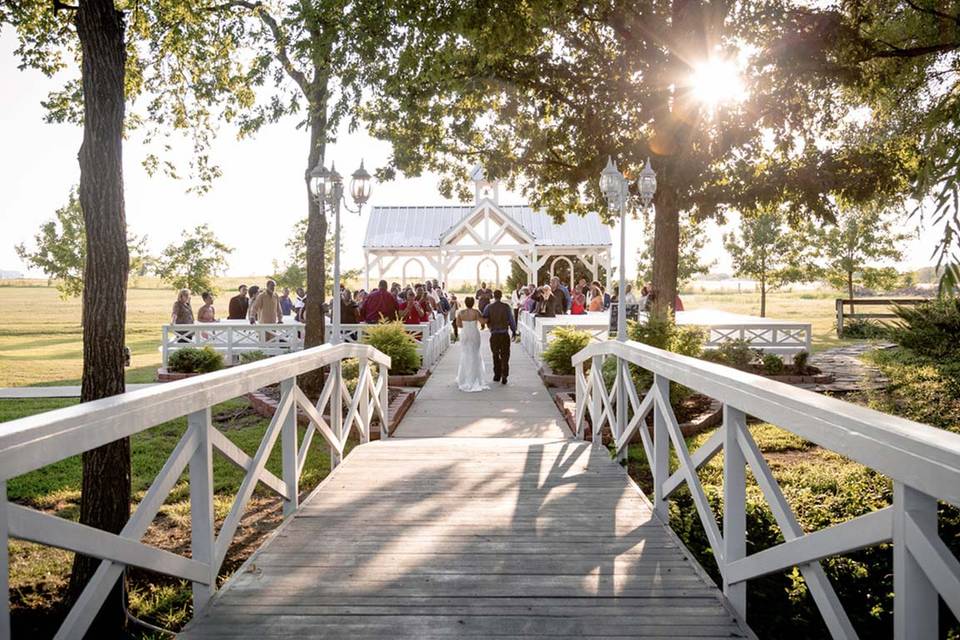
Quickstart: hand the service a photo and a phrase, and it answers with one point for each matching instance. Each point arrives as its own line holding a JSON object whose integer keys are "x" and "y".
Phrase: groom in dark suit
{"x": 502, "y": 324}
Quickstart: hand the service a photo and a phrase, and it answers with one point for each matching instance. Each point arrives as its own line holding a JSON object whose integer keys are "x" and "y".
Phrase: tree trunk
{"x": 666, "y": 252}
{"x": 850, "y": 290}
{"x": 763, "y": 297}
{"x": 314, "y": 331}
{"x": 105, "y": 497}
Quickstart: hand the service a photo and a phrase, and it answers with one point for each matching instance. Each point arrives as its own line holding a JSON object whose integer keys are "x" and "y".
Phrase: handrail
{"x": 36, "y": 441}
{"x": 922, "y": 461}
{"x": 870, "y": 437}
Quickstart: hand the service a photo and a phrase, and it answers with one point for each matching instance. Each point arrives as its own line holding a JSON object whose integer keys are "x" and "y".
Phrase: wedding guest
{"x": 252, "y": 294}
{"x": 299, "y": 302}
{"x": 628, "y": 297}
{"x": 596, "y": 297}
{"x": 266, "y": 306}
{"x": 530, "y": 300}
{"x": 286, "y": 304}
{"x": 454, "y": 309}
{"x": 677, "y": 303}
{"x": 207, "y": 313}
{"x": 548, "y": 302}
{"x": 578, "y": 306}
{"x": 380, "y": 304}
{"x": 412, "y": 311}
{"x": 349, "y": 310}
{"x": 238, "y": 305}
{"x": 484, "y": 295}
{"x": 182, "y": 314}
{"x": 557, "y": 299}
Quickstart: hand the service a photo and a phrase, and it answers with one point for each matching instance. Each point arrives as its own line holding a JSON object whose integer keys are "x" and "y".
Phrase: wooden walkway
{"x": 481, "y": 520}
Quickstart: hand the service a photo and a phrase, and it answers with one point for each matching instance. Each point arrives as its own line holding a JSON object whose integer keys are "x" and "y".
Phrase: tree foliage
{"x": 193, "y": 263}
{"x": 768, "y": 250}
{"x": 60, "y": 249}
{"x": 852, "y": 251}
{"x": 292, "y": 272}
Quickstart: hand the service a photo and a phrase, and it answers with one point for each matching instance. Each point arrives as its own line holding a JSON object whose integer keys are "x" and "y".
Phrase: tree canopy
{"x": 193, "y": 262}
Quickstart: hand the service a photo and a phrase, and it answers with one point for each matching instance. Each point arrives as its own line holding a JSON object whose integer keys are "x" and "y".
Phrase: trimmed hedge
{"x": 194, "y": 360}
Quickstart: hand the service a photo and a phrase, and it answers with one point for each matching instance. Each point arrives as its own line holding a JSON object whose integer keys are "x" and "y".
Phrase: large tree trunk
{"x": 314, "y": 331}
{"x": 666, "y": 252}
{"x": 105, "y": 499}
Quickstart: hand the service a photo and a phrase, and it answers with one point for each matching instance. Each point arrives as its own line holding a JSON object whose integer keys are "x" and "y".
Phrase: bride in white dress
{"x": 470, "y": 374}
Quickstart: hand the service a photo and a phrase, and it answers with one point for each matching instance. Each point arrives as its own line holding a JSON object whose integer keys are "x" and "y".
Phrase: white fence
{"x": 234, "y": 339}
{"x": 923, "y": 463}
{"x": 765, "y": 334}
{"x": 34, "y": 442}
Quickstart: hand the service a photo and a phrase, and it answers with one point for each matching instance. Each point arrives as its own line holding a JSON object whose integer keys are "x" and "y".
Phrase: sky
{"x": 252, "y": 207}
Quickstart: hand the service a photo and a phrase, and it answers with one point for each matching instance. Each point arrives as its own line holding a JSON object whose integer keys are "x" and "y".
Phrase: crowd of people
{"x": 410, "y": 304}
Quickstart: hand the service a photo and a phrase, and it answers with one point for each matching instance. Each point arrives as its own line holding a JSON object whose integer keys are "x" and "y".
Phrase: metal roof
{"x": 410, "y": 227}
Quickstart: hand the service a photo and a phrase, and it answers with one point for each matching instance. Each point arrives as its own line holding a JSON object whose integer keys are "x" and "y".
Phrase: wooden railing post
{"x": 734, "y": 505}
{"x": 4, "y": 564}
{"x": 623, "y": 378}
{"x": 202, "y": 539}
{"x": 660, "y": 465}
{"x": 336, "y": 410}
{"x": 289, "y": 450}
{"x": 915, "y": 601}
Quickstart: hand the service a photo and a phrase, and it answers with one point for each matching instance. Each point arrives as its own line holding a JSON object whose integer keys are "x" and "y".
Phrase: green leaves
{"x": 193, "y": 263}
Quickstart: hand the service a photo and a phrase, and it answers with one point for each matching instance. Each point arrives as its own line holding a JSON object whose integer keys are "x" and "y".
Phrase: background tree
{"x": 293, "y": 273}
{"x": 61, "y": 249}
{"x": 194, "y": 262}
{"x": 769, "y": 251}
{"x": 690, "y": 263}
{"x": 541, "y": 93}
{"x": 850, "y": 249}
{"x": 898, "y": 60}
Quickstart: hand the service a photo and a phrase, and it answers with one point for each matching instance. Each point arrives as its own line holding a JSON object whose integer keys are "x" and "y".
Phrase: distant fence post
{"x": 839, "y": 305}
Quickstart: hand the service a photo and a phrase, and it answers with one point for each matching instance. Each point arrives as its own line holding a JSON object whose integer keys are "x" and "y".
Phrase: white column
{"x": 366, "y": 269}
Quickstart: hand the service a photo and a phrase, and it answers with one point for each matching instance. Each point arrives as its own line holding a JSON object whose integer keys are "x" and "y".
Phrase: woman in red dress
{"x": 411, "y": 312}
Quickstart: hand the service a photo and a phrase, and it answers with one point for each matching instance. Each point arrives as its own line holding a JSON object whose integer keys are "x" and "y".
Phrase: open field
{"x": 40, "y": 334}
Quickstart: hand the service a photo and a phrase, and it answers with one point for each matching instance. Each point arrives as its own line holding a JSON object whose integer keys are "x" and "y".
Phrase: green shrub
{"x": 392, "y": 339}
{"x": 193, "y": 360}
{"x": 801, "y": 361}
{"x": 930, "y": 329}
{"x": 566, "y": 342}
{"x": 865, "y": 329}
{"x": 772, "y": 364}
{"x": 737, "y": 353}
{"x": 252, "y": 356}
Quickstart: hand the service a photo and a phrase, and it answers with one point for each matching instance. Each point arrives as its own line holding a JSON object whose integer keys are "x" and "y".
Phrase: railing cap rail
{"x": 32, "y": 442}
{"x": 917, "y": 454}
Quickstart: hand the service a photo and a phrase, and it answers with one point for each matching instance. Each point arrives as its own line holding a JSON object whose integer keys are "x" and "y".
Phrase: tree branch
{"x": 260, "y": 11}
{"x": 933, "y": 12}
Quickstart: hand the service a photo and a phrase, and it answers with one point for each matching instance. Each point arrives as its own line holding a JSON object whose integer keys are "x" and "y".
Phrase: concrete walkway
{"x": 520, "y": 409}
{"x": 23, "y": 393}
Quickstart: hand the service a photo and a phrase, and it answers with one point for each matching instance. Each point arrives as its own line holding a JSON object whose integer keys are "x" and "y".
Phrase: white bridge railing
{"x": 923, "y": 462}
{"x": 233, "y": 339}
{"x": 781, "y": 339}
{"x": 34, "y": 442}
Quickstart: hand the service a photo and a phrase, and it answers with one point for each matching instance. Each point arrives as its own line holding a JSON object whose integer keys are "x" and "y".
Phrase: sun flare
{"x": 716, "y": 82}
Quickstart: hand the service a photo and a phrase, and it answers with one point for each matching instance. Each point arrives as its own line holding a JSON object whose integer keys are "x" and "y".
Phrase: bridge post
{"x": 288, "y": 446}
{"x": 915, "y": 599}
{"x": 623, "y": 377}
{"x": 734, "y": 505}
{"x": 660, "y": 465}
{"x": 202, "y": 540}
{"x": 4, "y": 564}
{"x": 336, "y": 411}
{"x": 596, "y": 398}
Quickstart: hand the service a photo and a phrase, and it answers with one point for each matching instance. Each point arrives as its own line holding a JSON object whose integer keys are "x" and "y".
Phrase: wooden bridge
{"x": 482, "y": 519}
{"x": 483, "y": 516}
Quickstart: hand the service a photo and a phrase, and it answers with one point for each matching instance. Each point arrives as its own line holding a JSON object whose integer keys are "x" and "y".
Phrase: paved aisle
{"x": 522, "y": 533}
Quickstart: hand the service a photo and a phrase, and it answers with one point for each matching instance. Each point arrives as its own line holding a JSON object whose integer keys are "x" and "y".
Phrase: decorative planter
{"x": 417, "y": 379}
{"x": 559, "y": 380}
{"x": 169, "y": 376}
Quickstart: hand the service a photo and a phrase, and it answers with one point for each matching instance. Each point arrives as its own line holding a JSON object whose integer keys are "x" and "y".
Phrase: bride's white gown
{"x": 470, "y": 374}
